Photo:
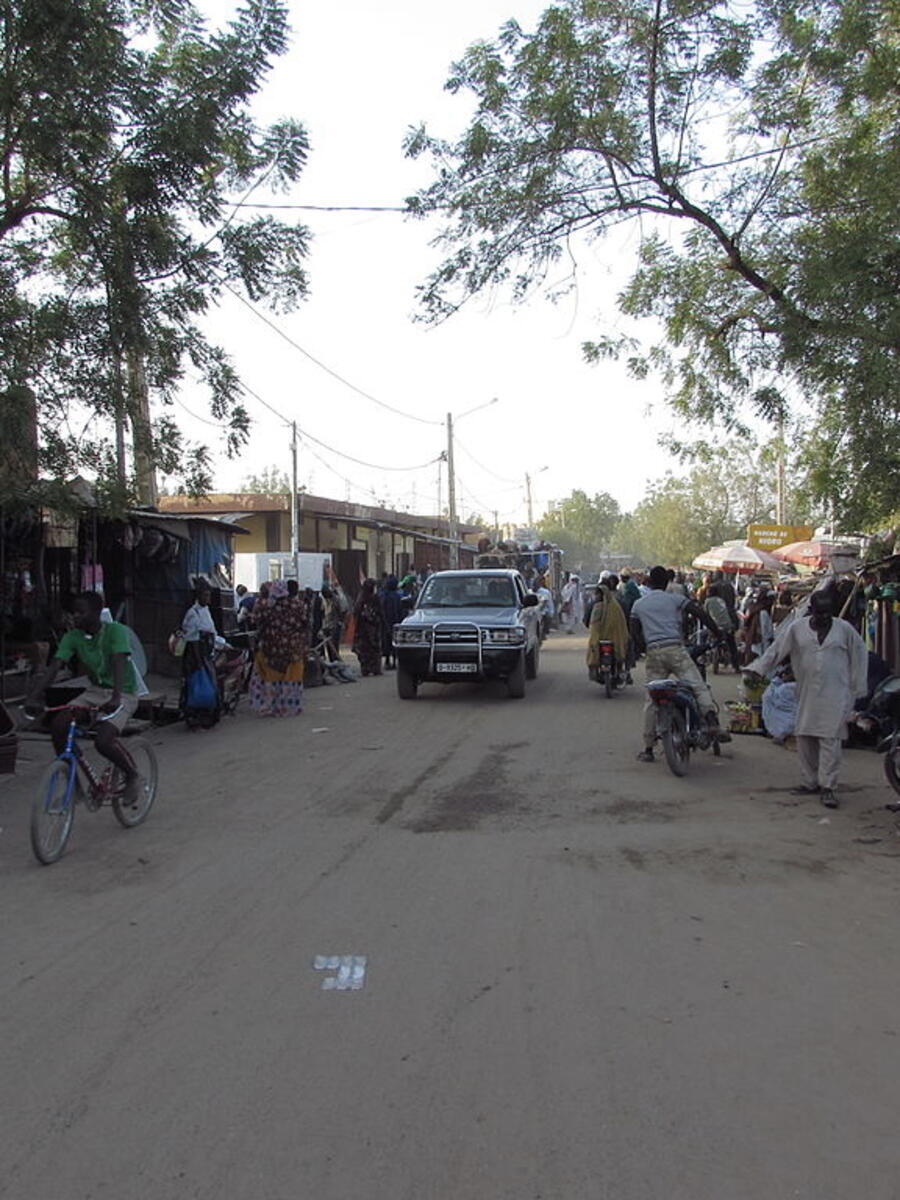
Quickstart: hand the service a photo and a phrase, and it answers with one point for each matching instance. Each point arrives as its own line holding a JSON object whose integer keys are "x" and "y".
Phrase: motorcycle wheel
{"x": 675, "y": 743}
{"x": 892, "y": 764}
{"x": 608, "y": 683}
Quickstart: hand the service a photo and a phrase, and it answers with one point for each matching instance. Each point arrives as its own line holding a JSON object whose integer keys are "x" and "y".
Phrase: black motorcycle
{"x": 680, "y": 725}
{"x": 885, "y": 708}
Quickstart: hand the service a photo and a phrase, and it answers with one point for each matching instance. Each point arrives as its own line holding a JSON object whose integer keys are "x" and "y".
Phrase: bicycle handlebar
{"x": 92, "y": 709}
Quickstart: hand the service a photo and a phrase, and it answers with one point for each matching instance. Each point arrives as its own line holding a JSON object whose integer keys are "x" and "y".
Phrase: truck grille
{"x": 456, "y": 637}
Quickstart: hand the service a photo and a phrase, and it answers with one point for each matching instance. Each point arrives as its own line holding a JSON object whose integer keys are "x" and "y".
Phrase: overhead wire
{"x": 197, "y": 417}
{"x": 334, "y": 471}
{"x": 331, "y": 449}
{"x": 377, "y": 208}
{"x": 399, "y": 412}
{"x": 487, "y": 470}
{"x": 467, "y": 492}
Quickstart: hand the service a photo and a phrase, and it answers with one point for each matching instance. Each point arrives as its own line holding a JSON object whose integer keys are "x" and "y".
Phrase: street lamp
{"x": 451, "y": 481}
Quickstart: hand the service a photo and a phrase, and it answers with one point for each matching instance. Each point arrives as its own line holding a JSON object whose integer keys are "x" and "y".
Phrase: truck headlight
{"x": 505, "y": 637}
{"x": 415, "y": 636}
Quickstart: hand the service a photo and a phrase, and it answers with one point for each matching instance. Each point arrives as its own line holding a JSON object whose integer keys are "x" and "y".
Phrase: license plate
{"x": 457, "y": 668}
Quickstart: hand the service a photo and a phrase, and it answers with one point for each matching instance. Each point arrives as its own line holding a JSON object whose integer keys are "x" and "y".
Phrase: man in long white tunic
{"x": 572, "y": 611}
{"x": 829, "y": 661}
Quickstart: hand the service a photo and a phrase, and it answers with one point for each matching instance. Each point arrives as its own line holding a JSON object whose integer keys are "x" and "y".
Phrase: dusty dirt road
{"x": 586, "y": 979}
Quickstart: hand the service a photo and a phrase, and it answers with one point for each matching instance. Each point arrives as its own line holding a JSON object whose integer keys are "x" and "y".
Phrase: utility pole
{"x": 451, "y": 496}
{"x": 295, "y": 501}
{"x": 496, "y": 527}
{"x": 528, "y": 498}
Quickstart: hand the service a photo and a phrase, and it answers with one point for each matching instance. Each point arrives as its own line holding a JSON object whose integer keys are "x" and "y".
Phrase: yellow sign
{"x": 770, "y": 537}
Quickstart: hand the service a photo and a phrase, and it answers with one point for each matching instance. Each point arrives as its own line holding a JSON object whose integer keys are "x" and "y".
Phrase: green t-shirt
{"x": 95, "y": 653}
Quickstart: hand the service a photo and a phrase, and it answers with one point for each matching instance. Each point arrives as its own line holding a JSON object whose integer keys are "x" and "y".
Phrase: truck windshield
{"x": 468, "y": 591}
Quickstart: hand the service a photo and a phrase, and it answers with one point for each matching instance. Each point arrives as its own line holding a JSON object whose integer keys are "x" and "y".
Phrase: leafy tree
{"x": 725, "y": 490}
{"x": 759, "y": 148}
{"x": 125, "y": 136}
{"x": 271, "y": 481}
{"x": 582, "y": 525}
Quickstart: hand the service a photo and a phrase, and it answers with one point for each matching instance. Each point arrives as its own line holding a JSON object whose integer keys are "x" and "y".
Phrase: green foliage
{"x": 271, "y": 481}
{"x": 126, "y": 146}
{"x": 582, "y": 525}
{"x": 759, "y": 146}
{"x": 727, "y": 488}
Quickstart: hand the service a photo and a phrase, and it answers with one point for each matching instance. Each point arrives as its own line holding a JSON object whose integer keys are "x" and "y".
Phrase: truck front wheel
{"x": 515, "y": 681}
{"x": 407, "y": 684}
{"x": 533, "y": 661}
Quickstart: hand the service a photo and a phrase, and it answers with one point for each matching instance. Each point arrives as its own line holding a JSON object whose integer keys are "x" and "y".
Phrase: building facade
{"x": 365, "y": 541}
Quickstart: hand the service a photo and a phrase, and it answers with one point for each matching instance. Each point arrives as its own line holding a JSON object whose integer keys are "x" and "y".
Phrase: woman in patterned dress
{"x": 367, "y": 641}
{"x": 282, "y": 622}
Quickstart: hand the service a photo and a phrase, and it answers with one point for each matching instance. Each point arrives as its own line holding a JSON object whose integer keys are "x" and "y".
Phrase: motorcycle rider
{"x": 657, "y": 620}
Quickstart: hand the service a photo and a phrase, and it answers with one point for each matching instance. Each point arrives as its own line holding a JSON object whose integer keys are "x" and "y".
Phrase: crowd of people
{"x": 815, "y": 662}
{"x": 804, "y": 647}
{"x": 289, "y": 625}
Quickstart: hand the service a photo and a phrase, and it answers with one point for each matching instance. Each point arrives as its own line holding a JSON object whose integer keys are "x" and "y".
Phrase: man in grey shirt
{"x": 657, "y": 620}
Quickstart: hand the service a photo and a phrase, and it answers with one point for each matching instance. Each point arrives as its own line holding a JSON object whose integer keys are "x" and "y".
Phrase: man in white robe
{"x": 829, "y": 661}
{"x": 572, "y": 610}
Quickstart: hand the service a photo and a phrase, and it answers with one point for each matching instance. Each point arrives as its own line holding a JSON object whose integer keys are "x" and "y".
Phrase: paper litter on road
{"x": 351, "y": 971}
{"x": 322, "y": 729}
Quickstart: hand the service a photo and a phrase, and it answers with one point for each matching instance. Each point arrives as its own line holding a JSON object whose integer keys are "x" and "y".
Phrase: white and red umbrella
{"x": 739, "y": 557}
{"x": 819, "y": 554}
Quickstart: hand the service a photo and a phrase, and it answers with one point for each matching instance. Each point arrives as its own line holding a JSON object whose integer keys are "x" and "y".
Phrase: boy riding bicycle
{"x": 103, "y": 651}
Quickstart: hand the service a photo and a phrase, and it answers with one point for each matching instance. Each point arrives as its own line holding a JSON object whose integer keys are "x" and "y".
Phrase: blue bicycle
{"x": 73, "y": 778}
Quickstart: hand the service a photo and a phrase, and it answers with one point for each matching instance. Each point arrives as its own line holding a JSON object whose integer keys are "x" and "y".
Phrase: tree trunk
{"x": 139, "y": 406}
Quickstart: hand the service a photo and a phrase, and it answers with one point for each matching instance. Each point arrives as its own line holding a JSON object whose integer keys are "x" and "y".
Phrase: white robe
{"x": 573, "y": 595}
{"x": 829, "y": 676}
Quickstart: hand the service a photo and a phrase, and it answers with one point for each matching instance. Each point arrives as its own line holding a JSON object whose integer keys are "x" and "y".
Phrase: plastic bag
{"x": 779, "y": 709}
{"x": 201, "y": 691}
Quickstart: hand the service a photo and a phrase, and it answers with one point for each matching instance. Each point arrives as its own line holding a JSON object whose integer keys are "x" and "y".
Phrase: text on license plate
{"x": 457, "y": 668}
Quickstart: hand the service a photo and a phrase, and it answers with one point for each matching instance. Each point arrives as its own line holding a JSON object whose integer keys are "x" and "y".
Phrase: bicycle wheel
{"x": 675, "y": 745}
{"x": 53, "y": 811}
{"x": 144, "y": 759}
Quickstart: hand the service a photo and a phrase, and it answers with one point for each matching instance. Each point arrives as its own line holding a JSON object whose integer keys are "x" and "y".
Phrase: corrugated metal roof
{"x": 172, "y": 521}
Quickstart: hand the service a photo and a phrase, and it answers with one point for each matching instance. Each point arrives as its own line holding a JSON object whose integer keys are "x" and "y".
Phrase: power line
{"x": 322, "y": 366}
{"x": 472, "y": 497}
{"x": 331, "y": 450}
{"x": 197, "y": 417}
{"x": 325, "y": 207}
{"x": 343, "y": 478}
{"x": 487, "y": 470}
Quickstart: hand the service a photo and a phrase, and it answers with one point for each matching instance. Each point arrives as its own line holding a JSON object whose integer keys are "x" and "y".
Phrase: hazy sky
{"x": 358, "y": 74}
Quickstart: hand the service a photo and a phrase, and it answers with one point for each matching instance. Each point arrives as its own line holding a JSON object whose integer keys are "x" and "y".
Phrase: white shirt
{"x": 547, "y": 599}
{"x": 197, "y": 620}
{"x": 829, "y": 675}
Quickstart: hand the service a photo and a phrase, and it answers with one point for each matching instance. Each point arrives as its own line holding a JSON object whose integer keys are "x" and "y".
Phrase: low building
{"x": 363, "y": 540}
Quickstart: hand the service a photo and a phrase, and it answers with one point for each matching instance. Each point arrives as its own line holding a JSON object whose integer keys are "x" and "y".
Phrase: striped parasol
{"x": 819, "y": 554}
{"x": 737, "y": 556}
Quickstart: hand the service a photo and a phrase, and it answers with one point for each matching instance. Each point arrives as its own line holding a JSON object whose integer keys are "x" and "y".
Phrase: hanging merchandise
{"x": 131, "y": 536}
{"x": 92, "y": 577}
{"x": 152, "y": 543}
